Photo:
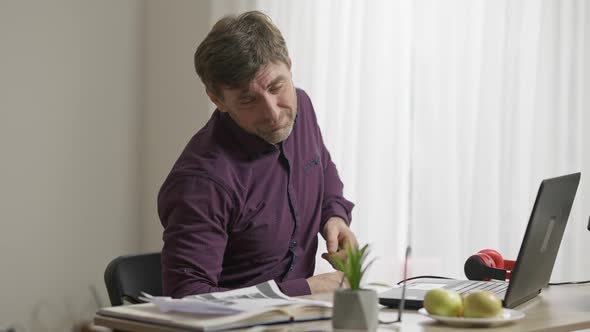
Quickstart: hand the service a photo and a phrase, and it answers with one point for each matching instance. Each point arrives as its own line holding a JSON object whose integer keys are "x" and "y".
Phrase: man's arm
{"x": 336, "y": 210}
{"x": 195, "y": 212}
{"x": 334, "y": 204}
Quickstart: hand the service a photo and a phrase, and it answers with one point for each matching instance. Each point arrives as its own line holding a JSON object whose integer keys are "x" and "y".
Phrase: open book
{"x": 256, "y": 305}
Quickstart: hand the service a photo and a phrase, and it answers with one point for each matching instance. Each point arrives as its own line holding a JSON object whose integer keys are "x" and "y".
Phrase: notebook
{"x": 256, "y": 305}
{"x": 147, "y": 317}
{"x": 535, "y": 260}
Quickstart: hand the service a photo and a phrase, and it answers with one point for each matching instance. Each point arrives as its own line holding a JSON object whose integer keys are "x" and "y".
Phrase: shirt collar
{"x": 252, "y": 144}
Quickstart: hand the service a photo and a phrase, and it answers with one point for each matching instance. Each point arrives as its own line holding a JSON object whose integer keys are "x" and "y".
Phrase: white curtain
{"x": 443, "y": 117}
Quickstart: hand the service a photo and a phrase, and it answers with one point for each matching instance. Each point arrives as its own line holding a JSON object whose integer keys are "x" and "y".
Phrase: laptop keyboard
{"x": 464, "y": 288}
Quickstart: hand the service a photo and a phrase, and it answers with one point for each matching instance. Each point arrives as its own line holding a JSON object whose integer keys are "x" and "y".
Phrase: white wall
{"x": 69, "y": 135}
{"x": 175, "y": 103}
{"x": 97, "y": 99}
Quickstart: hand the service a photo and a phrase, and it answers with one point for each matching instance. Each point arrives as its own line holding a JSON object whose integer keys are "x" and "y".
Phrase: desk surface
{"x": 557, "y": 308}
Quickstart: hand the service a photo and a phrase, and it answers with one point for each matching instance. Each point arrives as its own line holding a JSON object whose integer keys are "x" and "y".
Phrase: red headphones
{"x": 488, "y": 264}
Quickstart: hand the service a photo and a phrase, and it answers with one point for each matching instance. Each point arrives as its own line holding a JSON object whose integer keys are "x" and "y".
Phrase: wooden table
{"x": 557, "y": 308}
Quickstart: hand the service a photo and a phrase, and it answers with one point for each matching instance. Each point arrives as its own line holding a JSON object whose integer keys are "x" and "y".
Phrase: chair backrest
{"x": 127, "y": 276}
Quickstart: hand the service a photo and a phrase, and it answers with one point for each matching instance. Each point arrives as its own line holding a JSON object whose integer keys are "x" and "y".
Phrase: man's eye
{"x": 246, "y": 101}
{"x": 275, "y": 88}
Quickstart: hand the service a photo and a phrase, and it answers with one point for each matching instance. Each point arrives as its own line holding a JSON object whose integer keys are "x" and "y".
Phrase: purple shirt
{"x": 238, "y": 211}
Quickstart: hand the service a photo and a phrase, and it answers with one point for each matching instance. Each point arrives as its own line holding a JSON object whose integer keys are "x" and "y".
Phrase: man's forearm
{"x": 182, "y": 287}
{"x": 295, "y": 287}
{"x": 182, "y": 283}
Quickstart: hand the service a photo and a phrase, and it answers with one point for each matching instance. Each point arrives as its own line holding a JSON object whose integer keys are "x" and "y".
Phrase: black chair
{"x": 127, "y": 276}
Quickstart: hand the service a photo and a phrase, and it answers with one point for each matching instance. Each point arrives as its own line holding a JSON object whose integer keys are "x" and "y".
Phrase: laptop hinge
{"x": 522, "y": 300}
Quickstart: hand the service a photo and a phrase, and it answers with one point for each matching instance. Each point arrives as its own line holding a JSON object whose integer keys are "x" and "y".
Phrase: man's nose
{"x": 272, "y": 111}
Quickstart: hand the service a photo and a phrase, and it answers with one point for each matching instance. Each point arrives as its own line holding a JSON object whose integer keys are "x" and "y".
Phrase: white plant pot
{"x": 355, "y": 310}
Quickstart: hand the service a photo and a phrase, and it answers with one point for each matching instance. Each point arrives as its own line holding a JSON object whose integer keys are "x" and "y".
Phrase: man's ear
{"x": 215, "y": 100}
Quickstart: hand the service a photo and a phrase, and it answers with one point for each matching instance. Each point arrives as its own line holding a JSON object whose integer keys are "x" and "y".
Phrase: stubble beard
{"x": 277, "y": 136}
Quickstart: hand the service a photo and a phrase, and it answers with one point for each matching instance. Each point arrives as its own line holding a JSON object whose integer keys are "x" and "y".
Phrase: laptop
{"x": 535, "y": 260}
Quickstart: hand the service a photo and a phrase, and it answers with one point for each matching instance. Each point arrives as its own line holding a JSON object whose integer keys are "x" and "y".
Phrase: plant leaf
{"x": 354, "y": 266}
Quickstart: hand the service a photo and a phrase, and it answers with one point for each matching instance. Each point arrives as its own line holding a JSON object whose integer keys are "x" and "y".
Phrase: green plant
{"x": 353, "y": 266}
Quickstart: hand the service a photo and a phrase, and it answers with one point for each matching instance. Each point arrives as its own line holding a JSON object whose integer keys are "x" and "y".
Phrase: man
{"x": 252, "y": 189}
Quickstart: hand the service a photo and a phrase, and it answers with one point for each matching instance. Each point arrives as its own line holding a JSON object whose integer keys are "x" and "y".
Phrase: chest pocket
{"x": 311, "y": 164}
{"x": 309, "y": 184}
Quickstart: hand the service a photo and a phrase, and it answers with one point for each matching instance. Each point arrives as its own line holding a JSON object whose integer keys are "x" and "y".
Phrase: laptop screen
{"x": 542, "y": 238}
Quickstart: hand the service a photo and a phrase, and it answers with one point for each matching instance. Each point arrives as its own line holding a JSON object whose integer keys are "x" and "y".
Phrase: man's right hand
{"x": 326, "y": 282}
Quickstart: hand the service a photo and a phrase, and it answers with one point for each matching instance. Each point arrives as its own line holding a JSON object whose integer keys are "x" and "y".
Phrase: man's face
{"x": 266, "y": 107}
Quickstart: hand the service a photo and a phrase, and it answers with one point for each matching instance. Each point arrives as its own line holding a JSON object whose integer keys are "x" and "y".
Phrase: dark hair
{"x": 236, "y": 48}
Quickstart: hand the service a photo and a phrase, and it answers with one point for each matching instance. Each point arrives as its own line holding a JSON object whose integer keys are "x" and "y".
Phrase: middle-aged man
{"x": 252, "y": 189}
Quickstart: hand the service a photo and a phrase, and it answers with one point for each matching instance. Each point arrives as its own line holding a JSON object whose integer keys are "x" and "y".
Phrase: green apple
{"x": 482, "y": 304}
{"x": 443, "y": 302}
